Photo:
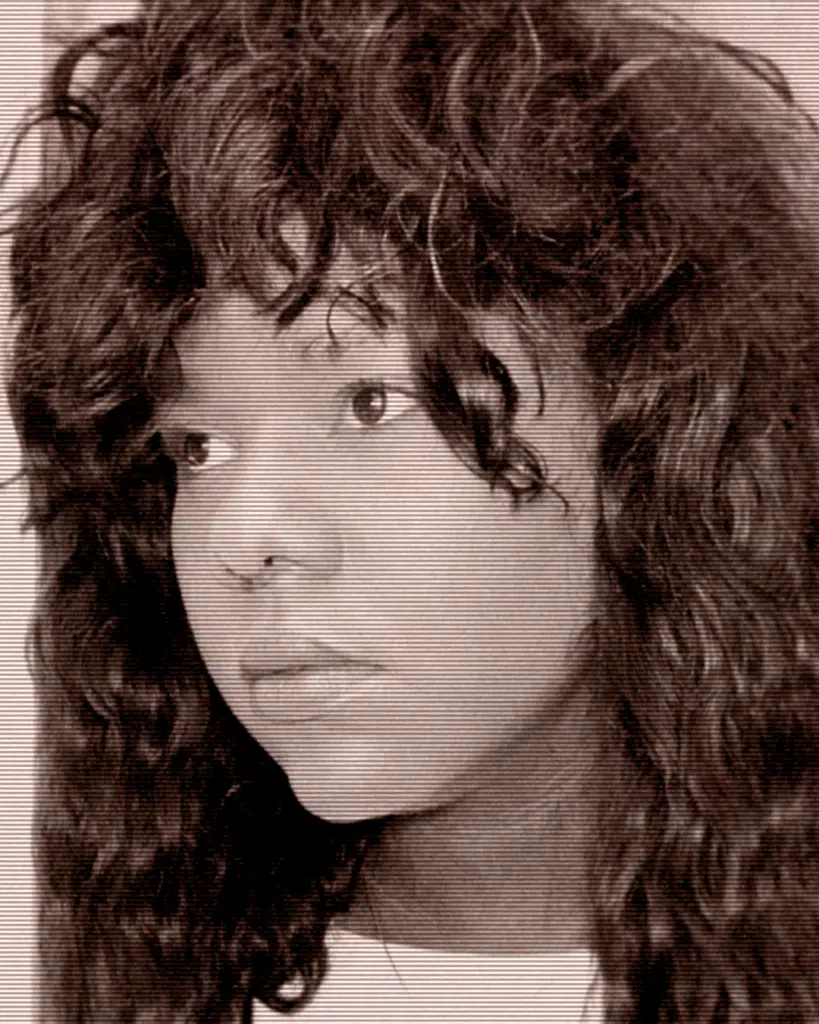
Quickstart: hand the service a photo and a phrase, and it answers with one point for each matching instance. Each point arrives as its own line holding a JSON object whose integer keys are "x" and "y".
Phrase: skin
{"x": 476, "y": 736}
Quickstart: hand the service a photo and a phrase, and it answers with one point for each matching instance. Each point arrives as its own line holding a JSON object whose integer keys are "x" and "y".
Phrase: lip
{"x": 298, "y": 683}
{"x": 291, "y": 656}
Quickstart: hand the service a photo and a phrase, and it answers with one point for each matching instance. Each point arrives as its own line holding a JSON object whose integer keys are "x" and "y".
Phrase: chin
{"x": 337, "y": 811}
{"x": 345, "y": 805}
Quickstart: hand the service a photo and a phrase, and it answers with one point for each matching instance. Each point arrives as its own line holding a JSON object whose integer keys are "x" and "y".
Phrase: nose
{"x": 270, "y": 523}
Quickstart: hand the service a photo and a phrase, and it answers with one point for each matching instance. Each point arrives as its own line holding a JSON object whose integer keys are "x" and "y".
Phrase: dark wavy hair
{"x": 544, "y": 158}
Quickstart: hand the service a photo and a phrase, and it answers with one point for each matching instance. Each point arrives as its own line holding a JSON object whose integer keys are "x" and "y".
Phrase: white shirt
{"x": 368, "y": 983}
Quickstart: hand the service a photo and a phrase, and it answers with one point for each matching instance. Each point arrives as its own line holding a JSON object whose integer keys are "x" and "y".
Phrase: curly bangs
{"x": 560, "y": 161}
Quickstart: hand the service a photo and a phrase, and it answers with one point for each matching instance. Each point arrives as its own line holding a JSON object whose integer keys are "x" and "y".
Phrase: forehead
{"x": 363, "y": 297}
{"x": 366, "y": 286}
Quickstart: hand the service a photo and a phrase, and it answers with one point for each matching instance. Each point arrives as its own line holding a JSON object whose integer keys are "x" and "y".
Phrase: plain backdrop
{"x": 785, "y": 32}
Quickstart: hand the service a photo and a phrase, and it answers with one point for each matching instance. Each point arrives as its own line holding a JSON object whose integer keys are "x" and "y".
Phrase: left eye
{"x": 201, "y": 451}
{"x": 374, "y": 403}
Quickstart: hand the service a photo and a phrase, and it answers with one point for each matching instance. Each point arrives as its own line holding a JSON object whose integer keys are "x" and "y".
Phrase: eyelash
{"x": 177, "y": 441}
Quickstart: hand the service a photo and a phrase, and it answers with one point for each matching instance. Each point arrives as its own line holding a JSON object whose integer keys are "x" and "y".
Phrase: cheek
{"x": 477, "y": 575}
{"x": 186, "y": 536}
{"x": 189, "y": 550}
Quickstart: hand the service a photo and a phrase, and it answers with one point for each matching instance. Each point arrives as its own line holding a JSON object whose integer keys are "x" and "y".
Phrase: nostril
{"x": 247, "y": 579}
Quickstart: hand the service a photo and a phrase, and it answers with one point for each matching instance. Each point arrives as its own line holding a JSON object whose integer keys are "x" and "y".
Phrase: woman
{"x": 419, "y": 414}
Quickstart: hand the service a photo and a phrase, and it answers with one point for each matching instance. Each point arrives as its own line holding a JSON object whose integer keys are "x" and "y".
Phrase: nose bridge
{"x": 272, "y": 512}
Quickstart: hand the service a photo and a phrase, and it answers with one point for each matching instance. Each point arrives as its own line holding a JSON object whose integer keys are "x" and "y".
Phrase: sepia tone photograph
{"x": 494, "y": 698}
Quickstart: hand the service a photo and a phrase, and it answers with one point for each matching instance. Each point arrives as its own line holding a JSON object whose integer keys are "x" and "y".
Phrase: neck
{"x": 489, "y": 873}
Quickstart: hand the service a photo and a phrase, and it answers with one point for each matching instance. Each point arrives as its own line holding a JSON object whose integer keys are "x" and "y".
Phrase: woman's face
{"x": 390, "y": 631}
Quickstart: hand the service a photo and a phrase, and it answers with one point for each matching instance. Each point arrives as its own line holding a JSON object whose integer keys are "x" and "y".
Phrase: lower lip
{"x": 307, "y": 695}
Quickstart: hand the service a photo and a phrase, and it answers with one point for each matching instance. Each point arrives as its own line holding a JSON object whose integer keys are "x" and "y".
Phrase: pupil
{"x": 195, "y": 449}
{"x": 369, "y": 404}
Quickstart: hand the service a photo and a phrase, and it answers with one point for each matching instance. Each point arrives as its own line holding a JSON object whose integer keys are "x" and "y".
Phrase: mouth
{"x": 294, "y": 661}
{"x": 298, "y": 687}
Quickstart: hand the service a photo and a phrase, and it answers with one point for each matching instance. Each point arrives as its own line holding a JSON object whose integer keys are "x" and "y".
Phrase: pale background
{"x": 786, "y": 32}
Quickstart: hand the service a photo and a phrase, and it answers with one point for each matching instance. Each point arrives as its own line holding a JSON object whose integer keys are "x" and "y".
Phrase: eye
{"x": 200, "y": 451}
{"x": 372, "y": 403}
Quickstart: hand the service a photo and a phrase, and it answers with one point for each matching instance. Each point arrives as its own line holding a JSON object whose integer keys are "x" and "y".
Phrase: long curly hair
{"x": 546, "y": 158}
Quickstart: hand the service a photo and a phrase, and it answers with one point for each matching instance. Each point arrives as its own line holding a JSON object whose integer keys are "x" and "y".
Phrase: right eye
{"x": 200, "y": 451}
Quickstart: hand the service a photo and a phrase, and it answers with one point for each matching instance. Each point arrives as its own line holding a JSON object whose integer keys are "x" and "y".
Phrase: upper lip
{"x": 296, "y": 656}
